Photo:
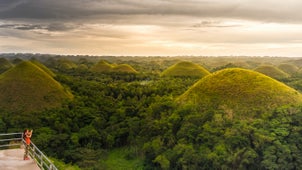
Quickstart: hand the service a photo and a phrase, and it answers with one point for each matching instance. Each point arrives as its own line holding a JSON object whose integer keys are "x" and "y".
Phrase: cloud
{"x": 268, "y": 11}
{"x": 47, "y": 27}
{"x": 209, "y": 23}
{"x": 148, "y": 27}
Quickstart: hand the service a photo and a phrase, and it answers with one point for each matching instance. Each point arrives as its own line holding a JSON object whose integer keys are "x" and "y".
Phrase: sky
{"x": 152, "y": 27}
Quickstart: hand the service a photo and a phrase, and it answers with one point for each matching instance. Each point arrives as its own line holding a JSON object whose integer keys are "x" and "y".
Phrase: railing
{"x": 11, "y": 140}
{"x": 15, "y": 140}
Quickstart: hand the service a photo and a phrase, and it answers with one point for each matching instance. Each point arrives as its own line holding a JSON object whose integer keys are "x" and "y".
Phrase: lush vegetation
{"x": 145, "y": 121}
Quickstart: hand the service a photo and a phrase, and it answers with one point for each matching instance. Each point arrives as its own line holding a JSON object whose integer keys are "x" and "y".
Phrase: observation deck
{"x": 12, "y": 154}
{"x": 12, "y": 159}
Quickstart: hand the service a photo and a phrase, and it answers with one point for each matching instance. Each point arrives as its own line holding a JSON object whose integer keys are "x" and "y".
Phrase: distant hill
{"x": 66, "y": 64}
{"x": 43, "y": 67}
{"x": 16, "y": 61}
{"x": 239, "y": 91}
{"x": 272, "y": 71}
{"x": 289, "y": 68}
{"x": 125, "y": 68}
{"x": 185, "y": 69}
{"x": 101, "y": 66}
{"x": 105, "y": 67}
{"x": 4, "y": 65}
{"x": 27, "y": 87}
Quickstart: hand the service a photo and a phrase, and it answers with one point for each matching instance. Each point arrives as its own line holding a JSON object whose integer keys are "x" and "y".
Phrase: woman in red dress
{"x": 27, "y": 135}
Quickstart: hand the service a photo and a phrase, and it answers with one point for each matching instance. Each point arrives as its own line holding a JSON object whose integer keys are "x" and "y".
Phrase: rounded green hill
{"x": 105, "y": 67}
{"x": 43, "y": 67}
{"x": 240, "y": 91}
{"x": 4, "y": 65}
{"x": 27, "y": 87}
{"x": 66, "y": 64}
{"x": 272, "y": 71}
{"x": 289, "y": 68}
{"x": 125, "y": 68}
{"x": 101, "y": 66}
{"x": 185, "y": 69}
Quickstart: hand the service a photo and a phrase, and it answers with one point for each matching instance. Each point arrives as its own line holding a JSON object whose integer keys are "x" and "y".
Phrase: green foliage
{"x": 119, "y": 159}
{"x": 233, "y": 119}
{"x": 61, "y": 165}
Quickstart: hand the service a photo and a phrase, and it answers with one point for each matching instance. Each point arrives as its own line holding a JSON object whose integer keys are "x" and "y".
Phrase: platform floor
{"x": 12, "y": 159}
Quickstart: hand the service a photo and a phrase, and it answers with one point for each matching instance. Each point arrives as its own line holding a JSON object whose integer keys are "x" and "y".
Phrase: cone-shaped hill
{"x": 4, "y": 65}
{"x": 288, "y": 68}
{"x": 101, "y": 66}
{"x": 105, "y": 67}
{"x": 43, "y": 67}
{"x": 66, "y": 64}
{"x": 27, "y": 87}
{"x": 272, "y": 71}
{"x": 125, "y": 68}
{"x": 239, "y": 91}
{"x": 185, "y": 69}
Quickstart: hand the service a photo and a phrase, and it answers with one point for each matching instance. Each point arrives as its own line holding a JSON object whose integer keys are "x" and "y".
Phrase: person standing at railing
{"x": 27, "y": 135}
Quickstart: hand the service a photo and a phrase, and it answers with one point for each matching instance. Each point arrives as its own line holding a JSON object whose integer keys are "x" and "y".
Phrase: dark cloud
{"x": 217, "y": 24}
{"x": 48, "y": 27}
{"x": 57, "y": 10}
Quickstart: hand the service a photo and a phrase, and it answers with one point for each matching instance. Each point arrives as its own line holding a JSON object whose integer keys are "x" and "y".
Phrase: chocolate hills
{"x": 289, "y": 68}
{"x": 239, "y": 91}
{"x": 27, "y": 87}
{"x": 185, "y": 69}
{"x": 4, "y": 65}
{"x": 43, "y": 67}
{"x": 124, "y": 68}
{"x": 272, "y": 71}
{"x": 105, "y": 67}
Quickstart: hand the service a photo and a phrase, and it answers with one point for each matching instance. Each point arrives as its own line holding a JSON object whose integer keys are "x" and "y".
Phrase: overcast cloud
{"x": 157, "y": 27}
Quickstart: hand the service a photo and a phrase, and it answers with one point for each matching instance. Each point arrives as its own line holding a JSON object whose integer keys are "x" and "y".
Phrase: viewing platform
{"x": 12, "y": 159}
{"x": 12, "y": 154}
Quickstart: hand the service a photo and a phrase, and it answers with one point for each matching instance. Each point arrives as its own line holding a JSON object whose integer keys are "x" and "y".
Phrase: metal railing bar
{"x": 8, "y": 134}
{"x": 12, "y": 139}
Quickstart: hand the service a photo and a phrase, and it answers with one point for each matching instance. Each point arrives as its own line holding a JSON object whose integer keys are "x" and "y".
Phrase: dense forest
{"x": 142, "y": 119}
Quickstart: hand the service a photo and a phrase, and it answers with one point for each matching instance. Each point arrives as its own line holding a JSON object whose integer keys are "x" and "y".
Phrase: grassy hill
{"x": 288, "y": 68}
{"x": 27, "y": 87}
{"x": 125, "y": 68}
{"x": 101, "y": 66}
{"x": 4, "y": 65}
{"x": 43, "y": 67}
{"x": 272, "y": 71}
{"x": 105, "y": 67}
{"x": 66, "y": 64}
{"x": 185, "y": 69}
{"x": 240, "y": 91}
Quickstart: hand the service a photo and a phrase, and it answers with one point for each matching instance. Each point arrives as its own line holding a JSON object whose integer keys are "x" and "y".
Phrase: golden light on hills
{"x": 27, "y": 87}
{"x": 241, "y": 91}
